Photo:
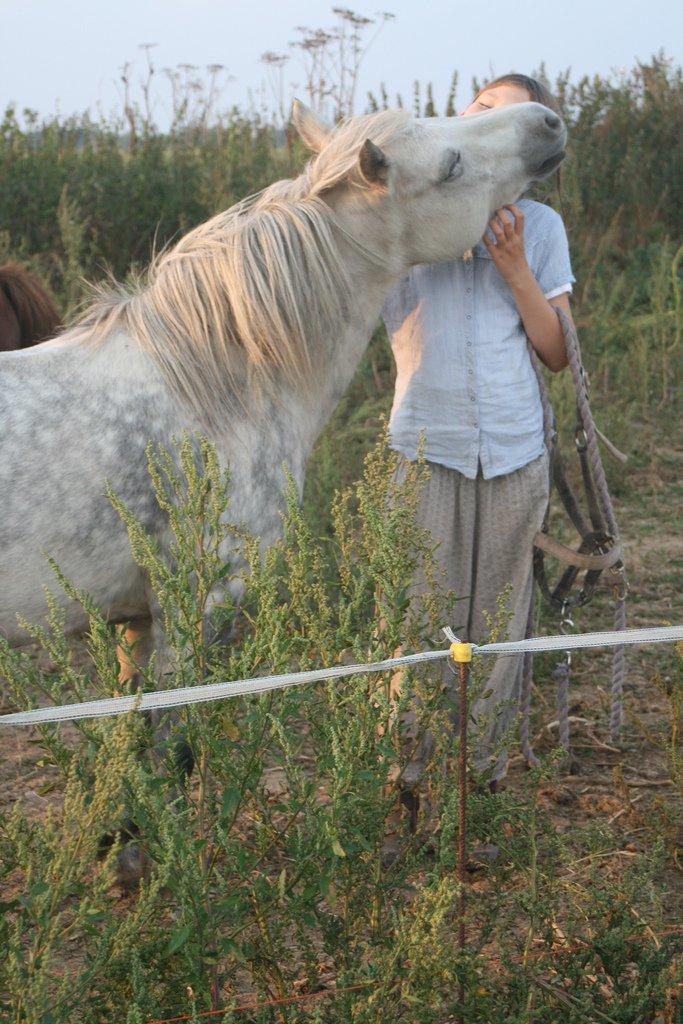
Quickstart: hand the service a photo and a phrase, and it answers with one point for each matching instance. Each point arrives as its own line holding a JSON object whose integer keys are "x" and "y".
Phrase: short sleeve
{"x": 552, "y": 264}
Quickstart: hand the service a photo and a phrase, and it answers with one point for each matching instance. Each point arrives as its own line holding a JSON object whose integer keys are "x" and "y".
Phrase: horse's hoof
{"x": 393, "y": 848}
{"x": 184, "y": 758}
{"x": 132, "y": 867}
{"x": 128, "y": 831}
{"x": 482, "y": 856}
{"x": 132, "y": 863}
{"x": 411, "y": 801}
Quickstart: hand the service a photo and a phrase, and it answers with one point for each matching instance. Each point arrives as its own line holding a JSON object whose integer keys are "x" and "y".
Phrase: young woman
{"x": 459, "y": 333}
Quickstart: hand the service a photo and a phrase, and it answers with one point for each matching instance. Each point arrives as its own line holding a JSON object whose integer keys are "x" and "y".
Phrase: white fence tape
{"x": 263, "y": 684}
{"x": 570, "y": 642}
{"x": 200, "y": 694}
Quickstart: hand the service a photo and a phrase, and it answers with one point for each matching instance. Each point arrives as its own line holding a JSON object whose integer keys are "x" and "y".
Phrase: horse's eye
{"x": 455, "y": 168}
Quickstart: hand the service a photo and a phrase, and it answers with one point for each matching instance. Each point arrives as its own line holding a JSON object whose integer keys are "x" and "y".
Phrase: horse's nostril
{"x": 553, "y": 121}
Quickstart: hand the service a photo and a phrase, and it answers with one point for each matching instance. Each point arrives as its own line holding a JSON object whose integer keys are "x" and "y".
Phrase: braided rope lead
{"x": 578, "y": 376}
{"x": 619, "y": 656}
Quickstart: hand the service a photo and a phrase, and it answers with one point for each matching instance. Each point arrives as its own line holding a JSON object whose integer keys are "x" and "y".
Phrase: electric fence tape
{"x": 181, "y": 696}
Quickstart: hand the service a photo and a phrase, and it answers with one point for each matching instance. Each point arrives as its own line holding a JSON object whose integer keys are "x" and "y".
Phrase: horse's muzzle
{"x": 549, "y": 165}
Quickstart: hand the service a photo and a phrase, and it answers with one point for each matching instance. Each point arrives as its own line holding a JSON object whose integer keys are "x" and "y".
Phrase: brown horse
{"x": 27, "y": 313}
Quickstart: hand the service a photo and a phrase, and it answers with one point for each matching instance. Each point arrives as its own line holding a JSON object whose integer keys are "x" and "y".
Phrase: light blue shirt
{"x": 464, "y": 376}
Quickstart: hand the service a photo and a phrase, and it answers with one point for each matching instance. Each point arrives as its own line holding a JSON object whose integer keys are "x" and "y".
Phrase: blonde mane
{"x": 254, "y": 294}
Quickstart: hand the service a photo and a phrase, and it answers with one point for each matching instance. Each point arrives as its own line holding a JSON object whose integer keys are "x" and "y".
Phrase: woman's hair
{"x": 538, "y": 92}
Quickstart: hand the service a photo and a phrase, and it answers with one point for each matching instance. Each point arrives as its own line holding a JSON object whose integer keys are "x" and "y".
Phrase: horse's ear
{"x": 373, "y": 164}
{"x": 310, "y": 128}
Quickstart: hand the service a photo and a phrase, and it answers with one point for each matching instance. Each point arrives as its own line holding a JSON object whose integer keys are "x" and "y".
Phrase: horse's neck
{"x": 370, "y": 285}
{"x": 311, "y": 407}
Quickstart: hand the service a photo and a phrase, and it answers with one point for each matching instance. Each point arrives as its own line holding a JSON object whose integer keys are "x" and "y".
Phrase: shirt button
{"x": 468, "y": 290}
{"x": 468, "y": 317}
{"x": 474, "y": 423}
{"x": 471, "y": 398}
{"x": 470, "y": 372}
{"x": 469, "y": 344}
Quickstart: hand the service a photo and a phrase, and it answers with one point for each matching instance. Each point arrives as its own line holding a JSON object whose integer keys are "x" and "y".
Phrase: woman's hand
{"x": 507, "y": 246}
{"x": 543, "y": 329}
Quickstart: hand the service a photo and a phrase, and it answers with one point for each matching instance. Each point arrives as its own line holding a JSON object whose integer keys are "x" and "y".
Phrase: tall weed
{"x": 264, "y": 873}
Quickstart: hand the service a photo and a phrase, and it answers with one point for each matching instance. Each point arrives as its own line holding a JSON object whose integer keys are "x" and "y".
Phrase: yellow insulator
{"x": 461, "y": 652}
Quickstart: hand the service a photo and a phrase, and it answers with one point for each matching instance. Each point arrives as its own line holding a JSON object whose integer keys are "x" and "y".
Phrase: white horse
{"x": 249, "y": 331}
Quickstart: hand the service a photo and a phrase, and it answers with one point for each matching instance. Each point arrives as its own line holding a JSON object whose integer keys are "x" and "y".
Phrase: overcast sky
{"x": 66, "y": 54}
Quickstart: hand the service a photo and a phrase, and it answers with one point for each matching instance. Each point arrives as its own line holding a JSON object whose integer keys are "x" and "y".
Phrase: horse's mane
{"x": 35, "y": 313}
{"x": 254, "y": 293}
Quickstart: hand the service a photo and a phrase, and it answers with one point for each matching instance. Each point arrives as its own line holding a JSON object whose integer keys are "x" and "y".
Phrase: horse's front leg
{"x": 164, "y": 721}
{"x": 134, "y": 650}
{"x": 139, "y": 639}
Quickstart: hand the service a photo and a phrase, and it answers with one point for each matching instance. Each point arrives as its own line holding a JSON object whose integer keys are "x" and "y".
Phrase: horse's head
{"x": 27, "y": 313}
{"x": 427, "y": 187}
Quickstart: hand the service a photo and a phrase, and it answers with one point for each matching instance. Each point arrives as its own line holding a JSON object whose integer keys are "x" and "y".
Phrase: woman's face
{"x": 498, "y": 96}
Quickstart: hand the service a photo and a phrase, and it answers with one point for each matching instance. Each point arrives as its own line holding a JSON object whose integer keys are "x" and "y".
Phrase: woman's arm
{"x": 541, "y": 323}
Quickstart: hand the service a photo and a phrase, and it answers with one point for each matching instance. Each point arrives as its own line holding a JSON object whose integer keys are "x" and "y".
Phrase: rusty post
{"x": 462, "y": 656}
